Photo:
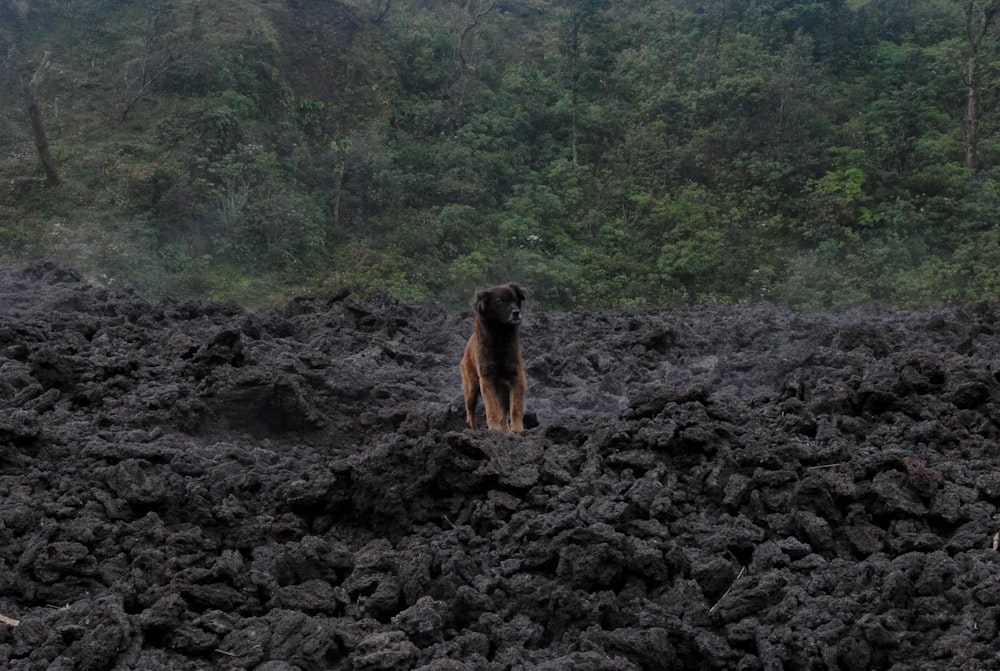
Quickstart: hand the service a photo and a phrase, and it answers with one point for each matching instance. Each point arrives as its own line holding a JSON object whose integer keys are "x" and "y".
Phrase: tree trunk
{"x": 972, "y": 118}
{"x": 576, "y": 135}
{"x": 35, "y": 116}
{"x": 340, "y": 148}
{"x": 980, "y": 20}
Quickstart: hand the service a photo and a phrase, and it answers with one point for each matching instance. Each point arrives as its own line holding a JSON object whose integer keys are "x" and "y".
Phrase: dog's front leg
{"x": 470, "y": 385}
{"x": 517, "y": 404}
{"x": 496, "y": 412}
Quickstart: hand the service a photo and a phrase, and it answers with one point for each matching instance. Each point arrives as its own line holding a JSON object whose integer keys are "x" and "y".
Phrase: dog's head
{"x": 502, "y": 304}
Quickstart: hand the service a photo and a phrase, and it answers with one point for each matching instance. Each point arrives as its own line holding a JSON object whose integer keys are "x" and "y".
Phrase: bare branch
{"x": 151, "y": 63}
{"x": 473, "y": 24}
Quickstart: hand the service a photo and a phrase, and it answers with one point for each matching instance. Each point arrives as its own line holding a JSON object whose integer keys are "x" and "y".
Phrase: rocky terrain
{"x": 189, "y": 486}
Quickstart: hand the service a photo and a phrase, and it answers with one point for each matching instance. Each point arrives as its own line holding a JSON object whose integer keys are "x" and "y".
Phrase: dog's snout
{"x": 515, "y": 314}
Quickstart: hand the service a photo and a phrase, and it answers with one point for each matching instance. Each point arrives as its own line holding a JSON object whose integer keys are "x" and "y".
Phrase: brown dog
{"x": 492, "y": 365}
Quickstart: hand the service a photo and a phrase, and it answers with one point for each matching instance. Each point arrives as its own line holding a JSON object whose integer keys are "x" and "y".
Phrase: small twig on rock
{"x": 996, "y": 540}
{"x": 738, "y": 576}
{"x": 813, "y": 468}
{"x": 236, "y": 654}
{"x": 9, "y": 621}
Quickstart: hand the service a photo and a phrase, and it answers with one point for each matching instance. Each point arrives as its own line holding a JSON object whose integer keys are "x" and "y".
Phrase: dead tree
{"x": 475, "y": 14}
{"x": 138, "y": 78}
{"x": 35, "y": 116}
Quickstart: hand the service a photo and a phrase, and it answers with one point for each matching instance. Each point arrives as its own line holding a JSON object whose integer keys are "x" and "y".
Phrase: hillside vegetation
{"x": 813, "y": 154}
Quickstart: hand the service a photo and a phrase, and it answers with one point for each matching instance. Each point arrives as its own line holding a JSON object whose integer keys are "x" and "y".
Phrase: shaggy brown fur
{"x": 492, "y": 365}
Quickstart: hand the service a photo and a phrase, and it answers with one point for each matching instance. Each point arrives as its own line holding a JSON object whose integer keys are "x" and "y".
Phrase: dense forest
{"x": 603, "y": 152}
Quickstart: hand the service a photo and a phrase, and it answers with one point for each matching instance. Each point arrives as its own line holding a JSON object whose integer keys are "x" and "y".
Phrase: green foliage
{"x": 836, "y": 203}
{"x": 603, "y": 153}
{"x": 691, "y": 256}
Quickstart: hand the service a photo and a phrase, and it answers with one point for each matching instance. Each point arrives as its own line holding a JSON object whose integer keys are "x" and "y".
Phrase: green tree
{"x": 692, "y": 258}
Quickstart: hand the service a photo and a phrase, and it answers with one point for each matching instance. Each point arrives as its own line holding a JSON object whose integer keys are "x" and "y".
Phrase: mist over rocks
{"x": 189, "y": 486}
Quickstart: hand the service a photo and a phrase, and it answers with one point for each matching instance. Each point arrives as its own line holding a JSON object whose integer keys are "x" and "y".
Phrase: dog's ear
{"x": 482, "y": 301}
{"x": 518, "y": 290}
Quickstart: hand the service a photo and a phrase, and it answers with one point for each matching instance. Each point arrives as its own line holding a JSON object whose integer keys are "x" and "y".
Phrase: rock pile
{"x": 189, "y": 486}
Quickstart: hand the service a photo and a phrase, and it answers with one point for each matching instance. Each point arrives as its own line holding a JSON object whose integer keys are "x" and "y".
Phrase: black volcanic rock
{"x": 189, "y": 486}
